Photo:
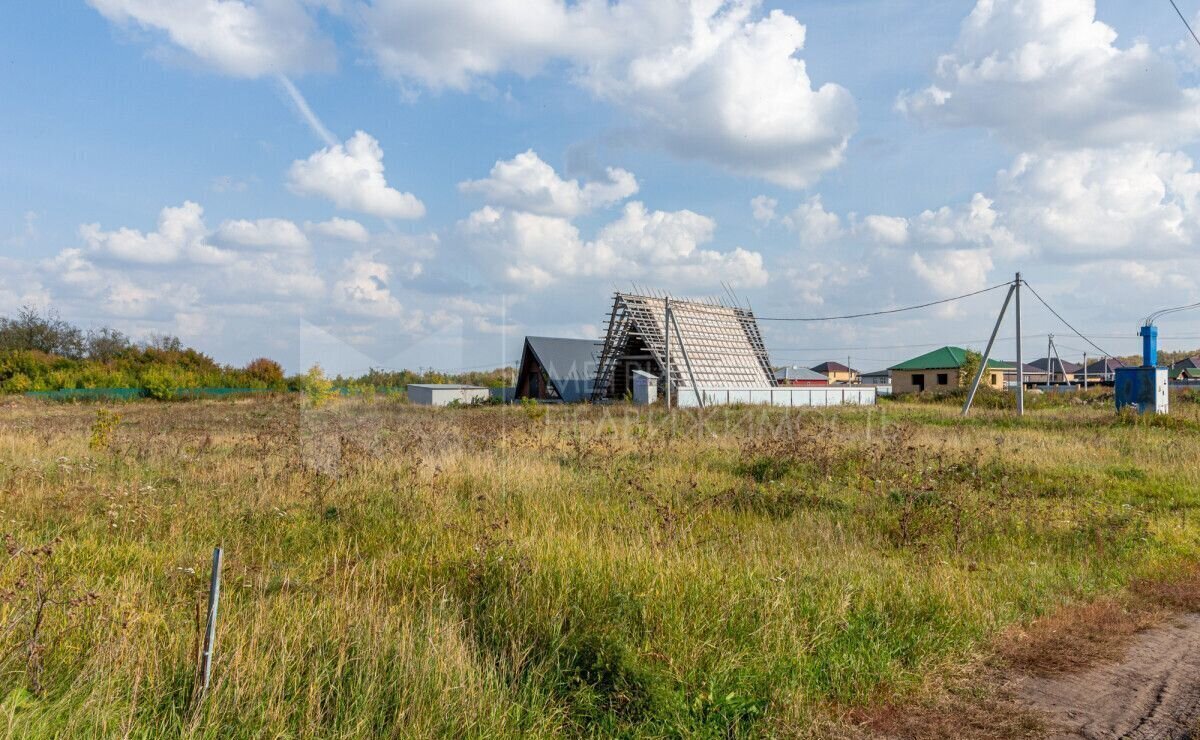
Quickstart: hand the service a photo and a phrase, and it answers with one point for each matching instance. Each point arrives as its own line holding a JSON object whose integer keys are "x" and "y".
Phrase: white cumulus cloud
{"x": 351, "y": 175}
{"x": 534, "y": 251}
{"x": 181, "y": 235}
{"x": 539, "y": 245}
{"x": 1091, "y": 202}
{"x": 730, "y": 90}
{"x": 763, "y": 208}
{"x": 341, "y": 229}
{"x": 813, "y": 223}
{"x": 710, "y": 80}
{"x": 453, "y": 42}
{"x": 243, "y": 38}
{"x": 976, "y": 223}
{"x": 953, "y": 271}
{"x": 887, "y": 229}
{"x": 273, "y": 233}
{"x": 1047, "y": 71}
{"x": 363, "y": 288}
{"x": 527, "y": 183}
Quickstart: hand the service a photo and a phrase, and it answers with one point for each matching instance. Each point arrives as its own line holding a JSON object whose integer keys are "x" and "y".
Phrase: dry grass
{"x": 1076, "y": 637}
{"x": 979, "y": 714}
{"x": 582, "y": 571}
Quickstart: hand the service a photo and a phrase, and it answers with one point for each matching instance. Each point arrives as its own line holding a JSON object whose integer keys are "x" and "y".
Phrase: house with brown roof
{"x": 836, "y": 372}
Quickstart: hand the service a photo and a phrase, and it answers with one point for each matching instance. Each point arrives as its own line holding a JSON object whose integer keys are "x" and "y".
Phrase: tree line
{"x": 40, "y": 351}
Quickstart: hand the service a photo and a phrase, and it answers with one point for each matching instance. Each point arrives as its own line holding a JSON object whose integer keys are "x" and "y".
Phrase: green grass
{"x": 500, "y": 572}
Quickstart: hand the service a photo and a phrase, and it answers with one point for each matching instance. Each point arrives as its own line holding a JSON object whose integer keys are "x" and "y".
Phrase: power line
{"x": 881, "y": 313}
{"x": 1133, "y": 337}
{"x": 869, "y": 348}
{"x": 1164, "y": 311}
{"x": 1065, "y": 322}
{"x": 1186, "y": 25}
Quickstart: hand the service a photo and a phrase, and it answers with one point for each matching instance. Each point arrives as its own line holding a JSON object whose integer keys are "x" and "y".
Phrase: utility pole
{"x": 1020, "y": 361}
{"x": 667, "y": 334}
{"x": 1062, "y": 369}
{"x": 1049, "y": 362}
{"x": 983, "y": 361}
{"x": 1085, "y": 372}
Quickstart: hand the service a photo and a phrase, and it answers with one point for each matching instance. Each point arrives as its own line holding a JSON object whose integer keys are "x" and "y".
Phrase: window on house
{"x": 994, "y": 379}
{"x": 918, "y": 380}
{"x": 943, "y": 378}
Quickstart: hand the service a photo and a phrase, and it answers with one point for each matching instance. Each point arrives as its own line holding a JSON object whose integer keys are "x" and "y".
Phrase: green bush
{"x": 316, "y": 386}
{"x": 17, "y": 383}
{"x": 160, "y": 383}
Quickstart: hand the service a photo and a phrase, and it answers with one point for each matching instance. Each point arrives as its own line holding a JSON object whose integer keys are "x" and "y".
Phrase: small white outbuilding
{"x": 444, "y": 394}
{"x": 645, "y": 388}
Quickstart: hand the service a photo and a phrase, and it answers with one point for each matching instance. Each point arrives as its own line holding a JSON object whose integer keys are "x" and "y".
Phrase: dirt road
{"x": 1151, "y": 691}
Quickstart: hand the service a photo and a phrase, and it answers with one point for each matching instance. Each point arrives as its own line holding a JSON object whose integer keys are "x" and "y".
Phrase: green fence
{"x": 128, "y": 394}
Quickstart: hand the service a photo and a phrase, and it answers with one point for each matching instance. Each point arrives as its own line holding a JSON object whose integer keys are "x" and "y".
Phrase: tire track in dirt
{"x": 1151, "y": 691}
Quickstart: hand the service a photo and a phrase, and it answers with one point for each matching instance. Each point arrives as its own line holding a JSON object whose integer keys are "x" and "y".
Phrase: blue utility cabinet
{"x": 1144, "y": 388}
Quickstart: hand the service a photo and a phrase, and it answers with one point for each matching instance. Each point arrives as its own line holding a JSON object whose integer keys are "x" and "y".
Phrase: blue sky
{"x": 517, "y": 162}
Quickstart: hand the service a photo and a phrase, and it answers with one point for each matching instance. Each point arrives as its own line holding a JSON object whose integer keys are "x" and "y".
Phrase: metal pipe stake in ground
{"x": 210, "y": 632}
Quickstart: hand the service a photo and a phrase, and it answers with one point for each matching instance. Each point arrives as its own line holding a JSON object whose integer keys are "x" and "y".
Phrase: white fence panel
{"x": 794, "y": 397}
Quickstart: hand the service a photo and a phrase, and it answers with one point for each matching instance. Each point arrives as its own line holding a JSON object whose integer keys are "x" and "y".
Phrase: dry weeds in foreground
{"x": 493, "y": 572}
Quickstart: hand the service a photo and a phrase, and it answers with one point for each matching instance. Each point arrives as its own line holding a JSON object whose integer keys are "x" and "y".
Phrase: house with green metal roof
{"x": 940, "y": 369}
{"x": 1186, "y": 369}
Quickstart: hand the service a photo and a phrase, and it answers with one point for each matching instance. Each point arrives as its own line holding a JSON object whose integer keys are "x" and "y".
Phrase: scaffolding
{"x": 712, "y": 345}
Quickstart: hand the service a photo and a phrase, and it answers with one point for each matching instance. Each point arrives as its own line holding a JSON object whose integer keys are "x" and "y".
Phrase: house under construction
{"x": 556, "y": 369}
{"x": 712, "y": 345}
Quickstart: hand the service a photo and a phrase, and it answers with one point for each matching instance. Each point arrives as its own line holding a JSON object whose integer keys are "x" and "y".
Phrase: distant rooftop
{"x": 1010, "y": 365}
{"x": 941, "y": 359}
{"x": 795, "y": 372}
{"x": 1104, "y": 366}
{"x": 1056, "y": 365}
{"x": 832, "y": 367}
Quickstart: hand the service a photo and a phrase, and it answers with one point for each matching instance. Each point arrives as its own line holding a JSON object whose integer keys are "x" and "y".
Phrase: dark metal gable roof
{"x": 1104, "y": 366}
{"x": 1064, "y": 367}
{"x": 832, "y": 367}
{"x": 570, "y": 364}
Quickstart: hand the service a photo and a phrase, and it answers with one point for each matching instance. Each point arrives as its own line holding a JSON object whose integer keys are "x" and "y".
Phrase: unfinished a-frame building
{"x": 712, "y": 345}
{"x": 555, "y": 369}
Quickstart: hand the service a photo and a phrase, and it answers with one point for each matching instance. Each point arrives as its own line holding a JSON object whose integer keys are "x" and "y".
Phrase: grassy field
{"x": 395, "y": 571}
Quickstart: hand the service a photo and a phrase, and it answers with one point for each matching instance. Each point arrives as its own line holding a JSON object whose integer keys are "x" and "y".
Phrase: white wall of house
{"x": 444, "y": 395}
